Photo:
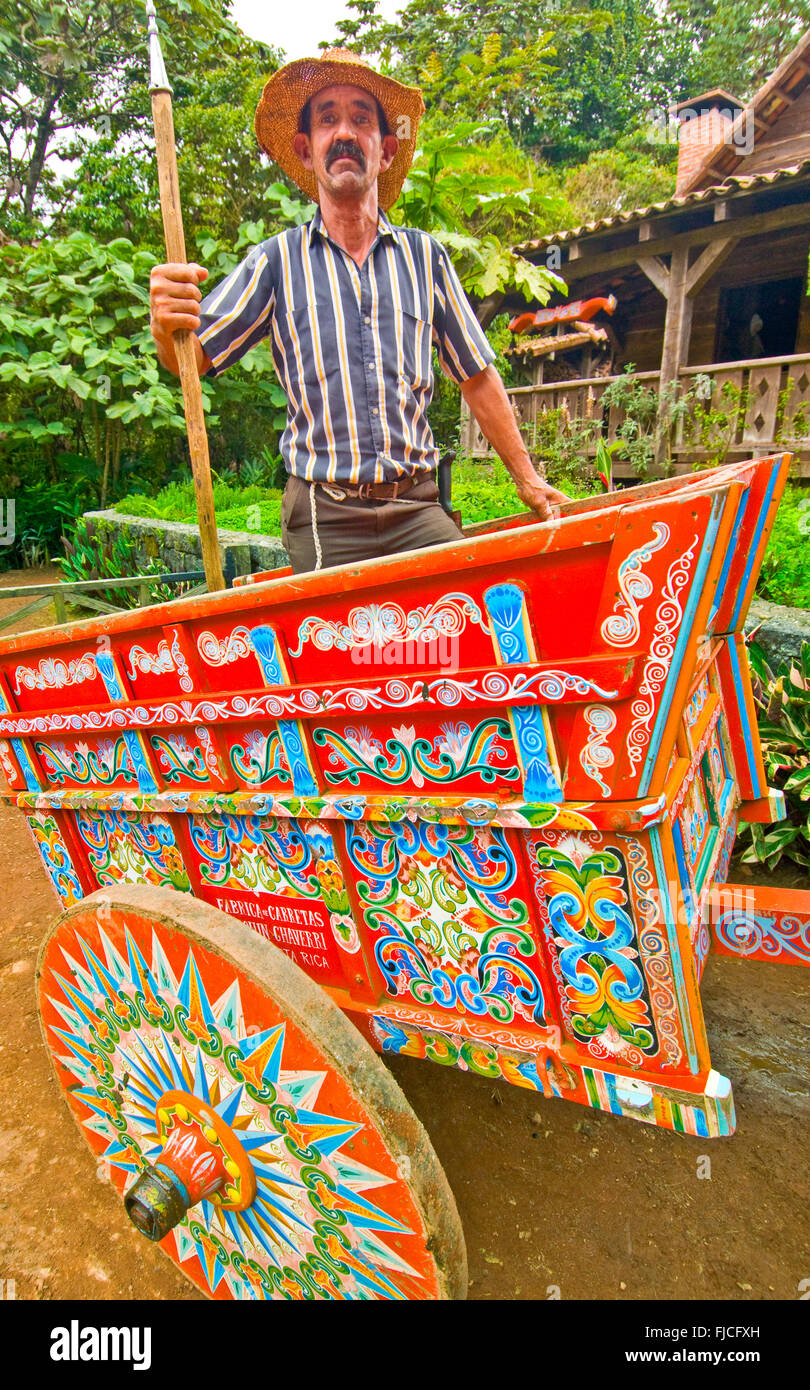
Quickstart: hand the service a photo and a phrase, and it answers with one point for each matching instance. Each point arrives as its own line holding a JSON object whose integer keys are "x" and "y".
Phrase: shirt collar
{"x": 384, "y": 227}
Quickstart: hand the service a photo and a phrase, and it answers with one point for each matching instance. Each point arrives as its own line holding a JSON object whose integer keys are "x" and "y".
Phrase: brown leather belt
{"x": 378, "y": 492}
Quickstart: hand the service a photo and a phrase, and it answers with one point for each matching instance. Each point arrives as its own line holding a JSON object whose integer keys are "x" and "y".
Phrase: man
{"x": 352, "y": 305}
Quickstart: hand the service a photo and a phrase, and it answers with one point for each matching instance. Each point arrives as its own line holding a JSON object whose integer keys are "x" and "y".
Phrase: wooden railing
{"x": 756, "y": 409}
{"x": 83, "y": 593}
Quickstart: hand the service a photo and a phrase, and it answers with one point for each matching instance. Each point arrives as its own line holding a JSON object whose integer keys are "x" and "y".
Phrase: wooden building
{"x": 710, "y": 283}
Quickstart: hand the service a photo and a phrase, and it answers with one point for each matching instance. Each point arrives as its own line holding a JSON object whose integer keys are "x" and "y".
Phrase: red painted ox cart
{"x": 468, "y": 804}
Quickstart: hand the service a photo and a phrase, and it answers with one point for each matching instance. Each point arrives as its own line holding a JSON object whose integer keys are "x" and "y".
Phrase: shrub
{"x": 237, "y": 508}
{"x": 785, "y": 573}
{"x": 783, "y": 715}
{"x": 109, "y": 554}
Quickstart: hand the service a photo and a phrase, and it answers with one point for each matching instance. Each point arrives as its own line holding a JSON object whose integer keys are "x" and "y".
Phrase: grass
{"x": 238, "y": 508}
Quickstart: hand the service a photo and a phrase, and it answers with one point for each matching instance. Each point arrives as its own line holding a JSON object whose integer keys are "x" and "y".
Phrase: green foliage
{"x": 71, "y": 70}
{"x": 564, "y": 446}
{"x": 785, "y": 573}
{"x": 459, "y": 190}
{"x": 711, "y": 419}
{"x": 628, "y": 175}
{"x": 79, "y": 377}
{"x": 638, "y": 405}
{"x": 483, "y": 489}
{"x": 783, "y": 715}
{"x": 469, "y": 56}
{"x": 45, "y": 508}
{"x": 733, "y": 44}
{"x": 644, "y": 418}
{"x": 252, "y": 508}
{"x": 108, "y": 554}
{"x": 75, "y": 344}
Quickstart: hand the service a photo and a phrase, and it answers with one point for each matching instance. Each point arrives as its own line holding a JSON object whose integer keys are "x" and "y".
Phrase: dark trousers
{"x": 355, "y": 529}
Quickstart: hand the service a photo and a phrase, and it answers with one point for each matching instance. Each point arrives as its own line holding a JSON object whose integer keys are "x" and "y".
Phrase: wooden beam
{"x": 94, "y": 604}
{"x": 21, "y": 612}
{"x": 67, "y": 589}
{"x": 709, "y": 260}
{"x": 778, "y": 219}
{"x": 656, "y": 271}
{"x": 675, "y": 348}
{"x": 721, "y": 211}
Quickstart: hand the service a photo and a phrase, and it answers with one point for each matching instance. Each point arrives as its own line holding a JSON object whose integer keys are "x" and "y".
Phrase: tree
{"x": 617, "y": 180}
{"x": 458, "y": 191}
{"x": 80, "y": 376}
{"x": 75, "y": 71}
{"x": 605, "y": 80}
{"x": 734, "y": 44}
{"x": 474, "y": 59}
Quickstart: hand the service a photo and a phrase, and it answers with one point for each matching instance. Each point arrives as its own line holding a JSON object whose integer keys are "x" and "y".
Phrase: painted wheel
{"x": 250, "y": 1128}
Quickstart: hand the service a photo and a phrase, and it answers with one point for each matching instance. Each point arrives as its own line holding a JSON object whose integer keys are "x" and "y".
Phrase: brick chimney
{"x": 704, "y": 122}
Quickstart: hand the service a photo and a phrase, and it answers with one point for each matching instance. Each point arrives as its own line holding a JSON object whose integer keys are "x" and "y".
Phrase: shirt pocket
{"x": 417, "y": 343}
{"x": 309, "y": 336}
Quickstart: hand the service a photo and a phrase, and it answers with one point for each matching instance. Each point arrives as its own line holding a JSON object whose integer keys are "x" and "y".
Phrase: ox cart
{"x": 471, "y": 804}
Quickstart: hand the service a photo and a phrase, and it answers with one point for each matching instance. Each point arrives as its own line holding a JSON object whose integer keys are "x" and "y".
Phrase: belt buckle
{"x": 364, "y": 491}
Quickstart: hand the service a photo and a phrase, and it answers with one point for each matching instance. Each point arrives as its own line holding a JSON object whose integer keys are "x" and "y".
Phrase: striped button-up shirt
{"x": 351, "y": 345}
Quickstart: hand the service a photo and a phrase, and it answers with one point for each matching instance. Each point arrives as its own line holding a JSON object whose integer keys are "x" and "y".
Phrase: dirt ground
{"x": 552, "y": 1196}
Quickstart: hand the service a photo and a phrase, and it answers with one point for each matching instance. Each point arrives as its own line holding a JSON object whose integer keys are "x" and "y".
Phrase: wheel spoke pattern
{"x": 141, "y": 1002}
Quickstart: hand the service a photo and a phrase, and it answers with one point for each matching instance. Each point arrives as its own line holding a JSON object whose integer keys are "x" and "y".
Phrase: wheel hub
{"x": 202, "y": 1159}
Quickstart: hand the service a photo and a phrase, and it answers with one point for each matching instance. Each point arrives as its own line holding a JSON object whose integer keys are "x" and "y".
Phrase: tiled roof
{"x": 733, "y": 184}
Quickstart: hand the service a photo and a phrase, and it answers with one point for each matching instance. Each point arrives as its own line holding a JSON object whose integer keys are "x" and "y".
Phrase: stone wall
{"x": 779, "y": 630}
{"x": 176, "y": 546}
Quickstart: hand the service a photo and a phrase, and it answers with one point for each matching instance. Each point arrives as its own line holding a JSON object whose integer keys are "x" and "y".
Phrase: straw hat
{"x": 289, "y": 90}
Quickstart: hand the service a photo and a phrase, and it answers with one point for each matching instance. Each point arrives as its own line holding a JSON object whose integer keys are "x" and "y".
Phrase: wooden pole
{"x": 161, "y": 94}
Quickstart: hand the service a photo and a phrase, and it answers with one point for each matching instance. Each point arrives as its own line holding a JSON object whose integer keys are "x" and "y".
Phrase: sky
{"x": 296, "y": 27}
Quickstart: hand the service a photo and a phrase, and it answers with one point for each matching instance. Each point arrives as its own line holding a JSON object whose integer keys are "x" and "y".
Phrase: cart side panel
{"x": 449, "y": 915}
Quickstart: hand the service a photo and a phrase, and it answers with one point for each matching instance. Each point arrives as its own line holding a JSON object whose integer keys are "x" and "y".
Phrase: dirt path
{"x": 550, "y": 1194}
{"x": 44, "y": 616}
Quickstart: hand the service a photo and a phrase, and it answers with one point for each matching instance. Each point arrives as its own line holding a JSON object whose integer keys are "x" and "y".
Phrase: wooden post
{"x": 678, "y": 320}
{"x": 680, "y": 285}
{"x": 161, "y": 94}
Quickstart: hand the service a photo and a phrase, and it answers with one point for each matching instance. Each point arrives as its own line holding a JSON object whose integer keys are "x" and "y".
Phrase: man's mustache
{"x": 346, "y": 149}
